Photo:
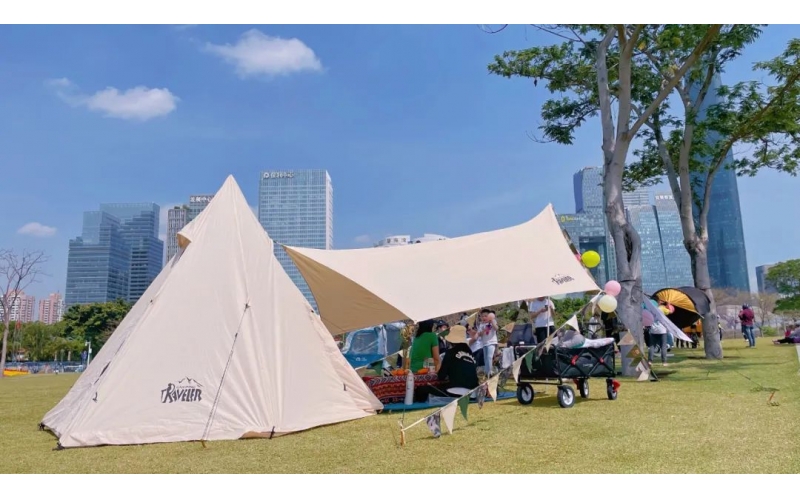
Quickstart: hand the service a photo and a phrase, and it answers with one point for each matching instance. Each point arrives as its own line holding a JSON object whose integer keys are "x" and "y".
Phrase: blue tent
{"x": 368, "y": 345}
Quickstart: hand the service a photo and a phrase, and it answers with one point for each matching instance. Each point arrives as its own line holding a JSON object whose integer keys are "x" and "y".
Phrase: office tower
{"x": 588, "y": 186}
{"x": 22, "y": 307}
{"x": 99, "y": 262}
{"x": 677, "y": 263}
{"x": 51, "y": 309}
{"x": 295, "y": 207}
{"x": 765, "y": 285}
{"x": 588, "y": 228}
{"x": 139, "y": 229}
{"x": 178, "y": 217}
{"x": 643, "y": 218}
{"x": 727, "y": 256}
{"x": 640, "y": 196}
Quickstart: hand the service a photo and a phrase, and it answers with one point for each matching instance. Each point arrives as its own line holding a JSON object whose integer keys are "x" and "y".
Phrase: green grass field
{"x": 703, "y": 417}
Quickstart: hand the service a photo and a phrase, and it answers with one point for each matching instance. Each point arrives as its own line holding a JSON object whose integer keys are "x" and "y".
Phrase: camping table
{"x": 393, "y": 389}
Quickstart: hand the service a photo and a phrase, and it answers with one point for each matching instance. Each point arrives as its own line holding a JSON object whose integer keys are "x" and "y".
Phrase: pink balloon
{"x": 647, "y": 318}
{"x": 612, "y": 288}
{"x": 578, "y": 256}
{"x": 671, "y": 308}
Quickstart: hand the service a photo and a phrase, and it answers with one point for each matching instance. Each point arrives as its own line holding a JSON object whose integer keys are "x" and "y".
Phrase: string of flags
{"x": 447, "y": 413}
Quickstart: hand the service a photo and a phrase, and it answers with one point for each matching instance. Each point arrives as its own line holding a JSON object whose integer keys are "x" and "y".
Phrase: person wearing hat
{"x": 459, "y": 369}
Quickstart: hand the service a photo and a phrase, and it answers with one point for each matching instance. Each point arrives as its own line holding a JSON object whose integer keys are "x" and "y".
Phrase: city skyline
{"x": 406, "y": 157}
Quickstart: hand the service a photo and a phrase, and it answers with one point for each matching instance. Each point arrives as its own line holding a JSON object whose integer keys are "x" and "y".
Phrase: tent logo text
{"x": 560, "y": 279}
{"x": 185, "y": 391}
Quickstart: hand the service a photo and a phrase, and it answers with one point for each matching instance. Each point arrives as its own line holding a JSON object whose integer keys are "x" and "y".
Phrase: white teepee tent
{"x": 221, "y": 346}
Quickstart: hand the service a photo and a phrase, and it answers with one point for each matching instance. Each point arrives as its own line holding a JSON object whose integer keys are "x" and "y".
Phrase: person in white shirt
{"x": 541, "y": 312}
{"x": 487, "y": 333}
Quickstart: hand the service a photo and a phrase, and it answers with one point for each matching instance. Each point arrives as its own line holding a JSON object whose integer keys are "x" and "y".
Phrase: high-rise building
{"x": 643, "y": 218}
{"x": 139, "y": 229}
{"x": 588, "y": 228}
{"x": 727, "y": 256}
{"x": 178, "y": 217}
{"x": 99, "y": 262}
{"x": 588, "y": 186}
{"x": 295, "y": 207}
{"x": 22, "y": 307}
{"x": 51, "y": 309}
{"x": 677, "y": 263}
{"x": 765, "y": 285}
{"x": 639, "y": 197}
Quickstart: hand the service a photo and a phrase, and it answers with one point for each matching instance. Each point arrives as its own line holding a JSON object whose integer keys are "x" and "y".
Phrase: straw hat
{"x": 457, "y": 335}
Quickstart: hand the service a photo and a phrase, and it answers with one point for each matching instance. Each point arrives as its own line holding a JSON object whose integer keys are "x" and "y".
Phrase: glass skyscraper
{"x": 178, "y": 217}
{"x": 588, "y": 228}
{"x": 643, "y": 218}
{"x": 99, "y": 262}
{"x": 139, "y": 228}
{"x": 765, "y": 285}
{"x": 727, "y": 257}
{"x": 677, "y": 263}
{"x": 295, "y": 207}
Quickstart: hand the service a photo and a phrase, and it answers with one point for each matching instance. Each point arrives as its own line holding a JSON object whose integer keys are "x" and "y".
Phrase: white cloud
{"x": 139, "y": 103}
{"x": 37, "y": 229}
{"x": 258, "y": 54}
{"x": 364, "y": 238}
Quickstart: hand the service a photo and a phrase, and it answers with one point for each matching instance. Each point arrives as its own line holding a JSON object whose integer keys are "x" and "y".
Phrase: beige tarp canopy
{"x": 369, "y": 286}
{"x": 222, "y": 345}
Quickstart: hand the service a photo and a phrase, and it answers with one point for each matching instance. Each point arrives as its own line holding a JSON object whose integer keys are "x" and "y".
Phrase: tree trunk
{"x": 627, "y": 251}
{"x": 702, "y": 280}
{"x": 4, "y": 349}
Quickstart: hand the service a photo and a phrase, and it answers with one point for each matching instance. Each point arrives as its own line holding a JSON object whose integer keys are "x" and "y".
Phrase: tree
{"x": 765, "y": 305}
{"x": 94, "y": 322}
{"x": 786, "y": 277}
{"x": 17, "y": 272}
{"x": 692, "y": 144}
{"x": 595, "y": 67}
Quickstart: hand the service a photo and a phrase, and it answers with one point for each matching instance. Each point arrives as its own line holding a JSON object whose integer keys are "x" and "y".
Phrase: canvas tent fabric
{"x": 221, "y": 346}
{"x": 363, "y": 287}
{"x": 690, "y": 304}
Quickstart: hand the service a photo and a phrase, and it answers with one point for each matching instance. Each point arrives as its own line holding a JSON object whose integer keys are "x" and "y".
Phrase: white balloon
{"x": 607, "y": 304}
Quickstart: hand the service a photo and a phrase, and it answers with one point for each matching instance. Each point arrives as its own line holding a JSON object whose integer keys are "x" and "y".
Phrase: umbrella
{"x": 690, "y": 304}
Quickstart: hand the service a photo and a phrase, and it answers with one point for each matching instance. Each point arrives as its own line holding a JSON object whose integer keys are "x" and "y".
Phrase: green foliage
{"x": 789, "y": 305}
{"x": 565, "y": 308}
{"x": 95, "y": 322}
{"x": 786, "y": 277}
{"x": 768, "y": 331}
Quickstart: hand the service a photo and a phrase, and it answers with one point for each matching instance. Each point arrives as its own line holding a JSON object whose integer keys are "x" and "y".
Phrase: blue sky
{"x": 416, "y": 135}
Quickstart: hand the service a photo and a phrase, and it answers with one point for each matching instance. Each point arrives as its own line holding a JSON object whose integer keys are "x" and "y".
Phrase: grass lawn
{"x": 703, "y": 417}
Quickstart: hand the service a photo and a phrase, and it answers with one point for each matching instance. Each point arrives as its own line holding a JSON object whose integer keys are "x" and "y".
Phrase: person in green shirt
{"x": 425, "y": 345}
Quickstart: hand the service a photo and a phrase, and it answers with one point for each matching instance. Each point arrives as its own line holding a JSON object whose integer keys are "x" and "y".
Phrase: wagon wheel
{"x": 583, "y": 387}
{"x": 610, "y": 391}
{"x": 525, "y": 393}
{"x": 566, "y": 396}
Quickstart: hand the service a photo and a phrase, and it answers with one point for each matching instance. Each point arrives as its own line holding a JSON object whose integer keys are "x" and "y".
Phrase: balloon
{"x": 607, "y": 304}
{"x": 647, "y": 318}
{"x": 664, "y": 310}
{"x": 671, "y": 308}
{"x": 652, "y": 301}
{"x": 578, "y": 256}
{"x": 613, "y": 288}
{"x": 591, "y": 259}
